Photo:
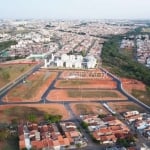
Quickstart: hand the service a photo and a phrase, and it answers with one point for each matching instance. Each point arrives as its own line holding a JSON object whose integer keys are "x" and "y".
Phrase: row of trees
{"x": 6, "y": 44}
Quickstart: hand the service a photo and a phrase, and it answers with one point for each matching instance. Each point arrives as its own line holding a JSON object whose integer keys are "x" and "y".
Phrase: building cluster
{"x": 143, "y": 49}
{"x": 54, "y": 136}
{"x": 142, "y": 45}
{"x": 140, "y": 122}
{"x": 127, "y": 44}
{"x": 106, "y": 130}
{"x": 71, "y": 61}
{"x": 39, "y": 38}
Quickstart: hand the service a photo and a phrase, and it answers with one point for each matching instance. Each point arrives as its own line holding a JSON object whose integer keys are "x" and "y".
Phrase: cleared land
{"x": 143, "y": 96}
{"x": 86, "y": 74}
{"x": 9, "y": 73}
{"x": 33, "y": 88}
{"x": 122, "y": 107}
{"x": 137, "y": 89}
{"x": 103, "y": 84}
{"x": 89, "y": 108}
{"x": 85, "y": 95}
{"x": 131, "y": 84}
{"x": 21, "y": 112}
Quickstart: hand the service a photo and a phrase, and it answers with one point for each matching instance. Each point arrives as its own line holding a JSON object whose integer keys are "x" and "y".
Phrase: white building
{"x": 71, "y": 61}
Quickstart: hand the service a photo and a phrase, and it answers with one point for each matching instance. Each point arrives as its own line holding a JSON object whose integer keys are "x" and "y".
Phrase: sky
{"x": 75, "y": 9}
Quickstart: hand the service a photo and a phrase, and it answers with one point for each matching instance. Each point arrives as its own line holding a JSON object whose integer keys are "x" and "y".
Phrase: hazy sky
{"x": 75, "y": 9}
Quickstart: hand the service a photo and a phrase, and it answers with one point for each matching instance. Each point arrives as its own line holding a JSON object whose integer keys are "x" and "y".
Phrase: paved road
{"x": 73, "y": 117}
{"x": 124, "y": 92}
{"x": 3, "y": 91}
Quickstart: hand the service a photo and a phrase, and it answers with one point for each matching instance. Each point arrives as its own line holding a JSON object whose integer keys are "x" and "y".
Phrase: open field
{"x": 85, "y": 74}
{"x": 130, "y": 84}
{"x": 122, "y": 107}
{"x": 143, "y": 96}
{"x": 21, "y": 112}
{"x": 33, "y": 88}
{"x": 85, "y": 95}
{"x": 9, "y": 73}
{"x": 88, "y": 108}
{"x": 137, "y": 89}
{"x": 95, "y": 83}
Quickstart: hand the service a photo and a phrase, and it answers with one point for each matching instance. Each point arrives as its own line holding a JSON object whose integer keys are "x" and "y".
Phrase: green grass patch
{"x": 143, "y": 96}
{"x": 91, "y": 94}
{"x": 9, "y": 73}
{"x": 29, "y": 89}
{"x": 6, "y": 44}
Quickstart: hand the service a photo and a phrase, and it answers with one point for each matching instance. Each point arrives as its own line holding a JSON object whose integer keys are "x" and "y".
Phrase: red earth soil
{"x": 130, "y": 84}
{"x": 103, "y": 84}
{"x": 62, "y": 95}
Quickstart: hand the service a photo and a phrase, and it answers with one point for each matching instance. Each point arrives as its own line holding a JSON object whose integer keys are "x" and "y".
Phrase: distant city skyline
{"x": 75, "y": 9}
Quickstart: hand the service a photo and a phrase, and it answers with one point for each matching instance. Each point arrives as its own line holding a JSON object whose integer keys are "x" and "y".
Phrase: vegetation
{"x": 144, "y": 96}
{"x": 6, "y": 44}
{"x": 52, "y": 118}
{"x": 126, "y": 142}
{"x": 10, "y": 72}
{"x": 101, "y": 116}
{"x": 8, "y": 141}
{"x": 84, "y": 125}
{"x": 84, "y": 109}
{"x": 5, "y": 75}
{"x": 73, "y": 82}
{"x": 91, "y": 94}
{"x": 120, "y": 64}
{"x": 29, "y": 89}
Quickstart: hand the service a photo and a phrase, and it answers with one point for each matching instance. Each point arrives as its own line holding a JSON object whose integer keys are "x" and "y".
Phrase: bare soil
{"x": 88, "y": 108}
{"x": 33, "y": 88}
{"x": 67, "y": 95}
{"x": 19, "y": 112}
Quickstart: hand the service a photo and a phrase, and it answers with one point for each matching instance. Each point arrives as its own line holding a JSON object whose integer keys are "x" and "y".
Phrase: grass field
{"x": 89, "y": 108}
{"x": 84, "y": 95}
{"x": 143, "y": 96}
{"x": 21, "y": 112}
{"x": 122, "y": 107}
{"x": 33, "y": 88}
{"x": 90, "y": 94}
{"x": 9, "y": 73}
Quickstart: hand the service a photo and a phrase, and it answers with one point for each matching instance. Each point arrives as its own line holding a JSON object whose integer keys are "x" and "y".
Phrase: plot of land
{"x": 9, "y": 73}
{"x": 20, "y": 112}
{"x": 85, "y": 95}
{"x": 130, "y": 84}
{"x": 33, "y": 88}
{"x": 137, "y": 89}
{"x": 122, "y": 107}
{"x": 88, "y": 108}
{"x": 103, "y": 84}
{"x": 143, "y": 96}
{"x": 89, "y": 74}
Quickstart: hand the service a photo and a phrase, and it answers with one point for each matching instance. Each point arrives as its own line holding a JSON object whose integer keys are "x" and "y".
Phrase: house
{"x": 53, "y": 136}
{"x": 130, "y": 113}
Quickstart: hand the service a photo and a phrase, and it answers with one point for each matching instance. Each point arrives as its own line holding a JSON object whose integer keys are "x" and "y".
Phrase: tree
{"x": 31, "y": 117}
{"x": 84, "y": 125}
{"x": 52, "y": 118}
